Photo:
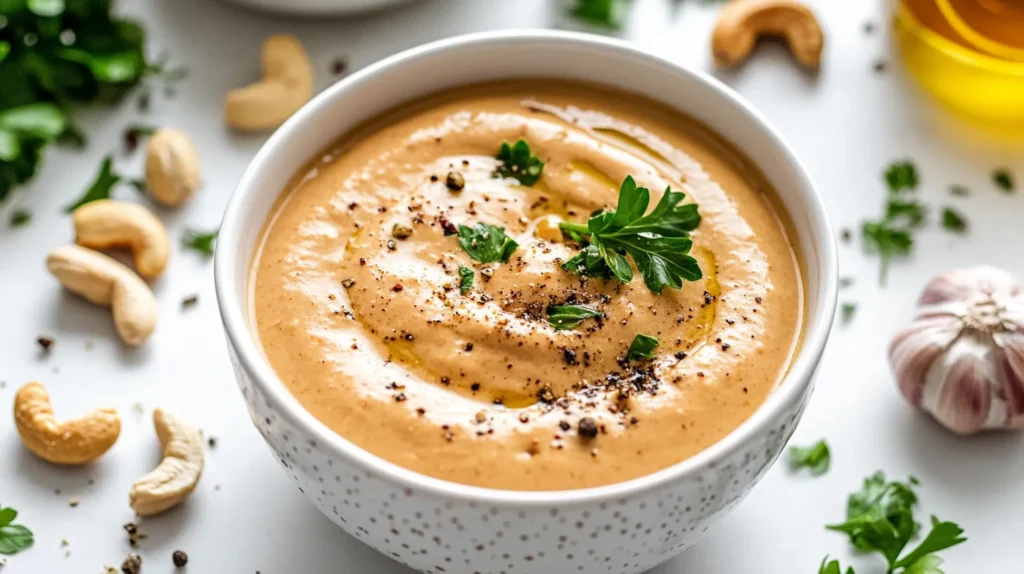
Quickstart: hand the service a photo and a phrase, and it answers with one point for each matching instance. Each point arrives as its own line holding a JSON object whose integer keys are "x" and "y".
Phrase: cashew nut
{"x": 177, "y": 474}
{"x": 72, "y": 442}
{"x": 741, "y": 22}
{"x": 287, "y": 84}
{"x": 108, "y": 223}
{"x": 172, "y": 167}
{"x": 107, "y": 282}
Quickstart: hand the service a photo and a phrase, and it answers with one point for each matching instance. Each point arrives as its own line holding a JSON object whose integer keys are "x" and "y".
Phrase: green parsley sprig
{"x": 658, "y": 242}
{"x": 880, "y": 519}
{"x": 517, "y": 161}
{"x": 13, "y": 537}
{"x": 892, "y": 235}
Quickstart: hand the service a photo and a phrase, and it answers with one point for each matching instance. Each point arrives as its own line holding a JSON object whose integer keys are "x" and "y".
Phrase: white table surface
{"x": 246, "y": 516}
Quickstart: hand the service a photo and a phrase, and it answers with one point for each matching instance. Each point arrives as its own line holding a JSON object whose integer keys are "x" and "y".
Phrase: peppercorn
{"x": 587, "y": 428}
{"x": 179, "y": 558}
{"x": 400, "y": 231}
{"x": 455, "y": 181}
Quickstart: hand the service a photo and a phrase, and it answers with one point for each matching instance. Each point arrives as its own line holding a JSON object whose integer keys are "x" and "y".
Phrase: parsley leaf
{"x": 847, "y": 310}
{"x": 953, "y": 220}
{"x": 943, "y": 535}
{"x": 880, "y": 518}
{"x": 605, "y": 13}
{"x": 891, "y": 236}
{"x": 105, "y": 181}
{"x": 13, "y": 537}
{"x": 517, "y": 161}
{"x": 199, "y": 241}
{"x": 959, "y": 190}
{"x": 901, "y": 175}
{"x": 658, "y": 242}
{"x": 832, "y": 567}
{"x": 466, "y": 277}
{"x": 642, "y": 347}
{"x": 20, "y": 218}
{"x": 1004, "y": 180}
{"x": 486, "y": 243}
{"x": 910, "y": 212}
{"x": 817, "y": 458}
{"x": 570, "y": 316}
{"x": 925, "y": 565}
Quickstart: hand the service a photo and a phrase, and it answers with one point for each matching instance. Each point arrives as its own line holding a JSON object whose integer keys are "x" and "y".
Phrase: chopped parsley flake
{"x": 642, "y": 347}
{"x": 199, "y": 241}
{"x": 816, "y": 458}
{"x": 1004, "y": 180}
{"x": 848, "y": 310}
{"x": 486, "y": 243}
{"x": 570, "y": 316}
{"x": 466, "y": 276}
{"x": 517, "y": 162}
{"x": 953, "y": 220}
{"x": 20, "y": 217}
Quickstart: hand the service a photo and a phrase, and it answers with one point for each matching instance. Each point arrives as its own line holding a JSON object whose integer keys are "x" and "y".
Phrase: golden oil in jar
{"x": 968, "y": 53}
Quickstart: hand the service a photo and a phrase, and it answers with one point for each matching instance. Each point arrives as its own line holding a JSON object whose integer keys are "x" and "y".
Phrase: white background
{"x": 846, "y": 125}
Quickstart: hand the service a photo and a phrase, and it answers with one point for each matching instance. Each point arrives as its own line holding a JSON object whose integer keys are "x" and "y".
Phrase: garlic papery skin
{"x": 962, "y": 357}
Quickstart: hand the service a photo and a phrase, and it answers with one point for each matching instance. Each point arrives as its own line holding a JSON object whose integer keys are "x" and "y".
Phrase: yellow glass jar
{"x": 968, "y": 53}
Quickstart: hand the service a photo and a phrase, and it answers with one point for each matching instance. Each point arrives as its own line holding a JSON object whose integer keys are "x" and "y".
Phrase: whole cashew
{"x": 109, "y": 223}
{"x": 172, "y": 167}
{"x": 107, "y": 282}
{"x": 177, "y": 474}
{"x": 72, "y": 442}
{"x": 741, "y": 22}
{"x": 287, "y": 84}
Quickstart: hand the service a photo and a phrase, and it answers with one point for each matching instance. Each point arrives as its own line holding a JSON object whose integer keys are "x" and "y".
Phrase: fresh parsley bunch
{"x": 880, "y": 518}
{"x": 54, "y": 53}
{"x": 658, "y": 242}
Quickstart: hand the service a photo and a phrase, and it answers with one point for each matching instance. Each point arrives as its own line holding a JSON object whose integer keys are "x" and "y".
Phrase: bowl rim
{"x": 949, "y": 48}
{"x": 788, "y": 391}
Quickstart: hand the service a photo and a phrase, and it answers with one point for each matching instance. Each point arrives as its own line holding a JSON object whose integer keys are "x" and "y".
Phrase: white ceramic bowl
{"x": 443, "y": 527}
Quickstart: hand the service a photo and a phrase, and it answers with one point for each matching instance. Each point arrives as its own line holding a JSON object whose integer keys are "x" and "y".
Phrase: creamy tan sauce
{"x": 372, "y": 335}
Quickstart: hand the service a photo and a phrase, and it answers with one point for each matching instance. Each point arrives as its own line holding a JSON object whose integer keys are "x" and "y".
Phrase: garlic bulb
{"x": 962, "y": 358}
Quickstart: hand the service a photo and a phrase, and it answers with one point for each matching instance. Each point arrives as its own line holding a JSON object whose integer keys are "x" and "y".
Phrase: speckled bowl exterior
{"x": 441, "y": 527}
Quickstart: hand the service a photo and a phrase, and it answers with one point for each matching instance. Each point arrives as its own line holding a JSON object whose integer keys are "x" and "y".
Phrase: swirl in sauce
{"x": 373, "y": 337}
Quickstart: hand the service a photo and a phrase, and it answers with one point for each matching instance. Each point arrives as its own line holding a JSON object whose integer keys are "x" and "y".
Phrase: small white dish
{"x": 441, "y": 527}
